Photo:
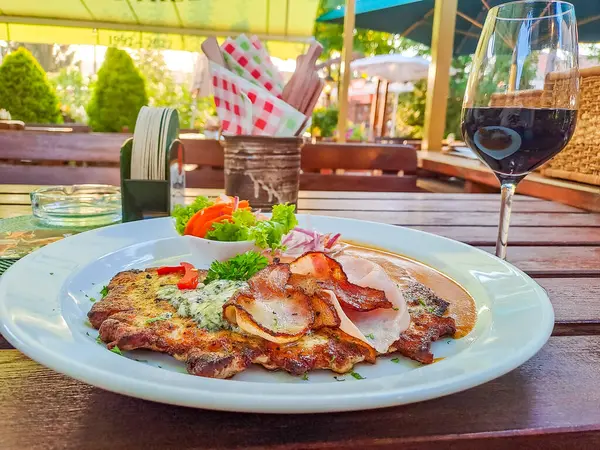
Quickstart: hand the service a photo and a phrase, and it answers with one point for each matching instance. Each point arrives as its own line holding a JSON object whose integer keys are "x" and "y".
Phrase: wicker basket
{"x": 580, "y": 160}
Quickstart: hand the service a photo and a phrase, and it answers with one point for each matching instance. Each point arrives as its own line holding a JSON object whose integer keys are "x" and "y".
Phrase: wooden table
{"x": 479, "y": 178}
{"x": 551, "y": 402}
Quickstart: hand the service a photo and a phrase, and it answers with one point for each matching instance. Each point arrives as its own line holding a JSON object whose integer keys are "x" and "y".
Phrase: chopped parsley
{"x": 239, "y": 268}
{"x": 99, "y": 340}
{"x": 305, "y": 376}
{"x": 427, "y": 308}
{"x": 88, "y": 324}
{"x": 104, "y": 291}
{"x": 116, "y": 350}
{"x": 87, "y": 333}
{"x": 370, "y": 336}
{"x": 395, "y": 360}
{"x": 51, "y": 273}
{"x": 357, "y": 375}
{"x": 92, "y": 299}
{"x": 395, "y": 308}
{"x": 339, "y": 379}
{"x": 164, "y": 316}
{"x": 332, "y": 359}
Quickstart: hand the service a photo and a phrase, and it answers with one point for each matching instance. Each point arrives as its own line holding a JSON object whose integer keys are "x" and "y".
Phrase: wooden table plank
{"x": 192, "y": 192}
{"x": 440, "y": 205}
{"x": 7, "y": 211}
{"x": 576, "y": 304}
{"x": 486, "y": 236}
{"x": 556, "y": 261}
{"x": 443, "y": 204}
{"x": 421, "y": 218}
{"x": 470, "y": 219}
{"x": 532, "y": 399}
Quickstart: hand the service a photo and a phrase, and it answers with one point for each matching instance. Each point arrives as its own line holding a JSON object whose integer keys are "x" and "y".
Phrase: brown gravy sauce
{"x": 401, "y": 269}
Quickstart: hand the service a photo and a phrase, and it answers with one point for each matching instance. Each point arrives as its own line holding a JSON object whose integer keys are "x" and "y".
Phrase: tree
{"x": 52, "y": 57}
{"x": 369, "y": 42}
{"x": 25, "y": 91}
{"x": 72, "y": 89}
{"x": 118, "y": 95}
{"x": 163, "y": 89}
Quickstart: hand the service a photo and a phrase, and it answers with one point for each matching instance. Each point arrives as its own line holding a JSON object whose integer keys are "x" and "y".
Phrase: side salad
{"x": 229, "y": 219}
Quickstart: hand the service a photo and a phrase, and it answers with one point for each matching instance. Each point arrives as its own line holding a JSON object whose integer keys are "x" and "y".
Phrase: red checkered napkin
{"x": 245, "y": 108}
{"x": 264, "y": 55}
{"x": 245, "y": 61}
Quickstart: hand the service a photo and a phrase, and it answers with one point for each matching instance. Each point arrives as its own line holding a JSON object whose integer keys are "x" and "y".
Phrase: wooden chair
{"x": 74, "y": 158}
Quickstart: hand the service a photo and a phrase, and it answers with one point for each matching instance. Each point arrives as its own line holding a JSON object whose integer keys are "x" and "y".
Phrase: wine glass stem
{"x": 508, "y": 191}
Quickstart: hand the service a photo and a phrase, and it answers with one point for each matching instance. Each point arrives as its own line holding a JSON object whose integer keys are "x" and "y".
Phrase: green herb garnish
{"x": 305, "y": 376}
{"x": 239, "y": 268}
{"x": 92, "y": 299}
{"x": 370, "y": 336}
{"x": 357, "y": 375}
{"x": 116, "y": 350}
{"x": 427, "y": 308}
{"x": 395, "y": 308}
{"x": 164, "y": 316}
{"x": 104, "y": 291}
{"x": 395, "y": 360}
{"x": 99, "y": 340}
{"x": 332, "y": 359}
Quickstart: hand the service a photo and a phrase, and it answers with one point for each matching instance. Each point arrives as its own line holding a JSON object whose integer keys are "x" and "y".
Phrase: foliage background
{"x": 25, "y": 91}
{"x": 118, "y": 94}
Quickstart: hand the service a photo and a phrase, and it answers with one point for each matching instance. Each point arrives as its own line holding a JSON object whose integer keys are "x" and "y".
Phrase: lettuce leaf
{"x": 183, "y": 213}
{"x": 284, "y": 215}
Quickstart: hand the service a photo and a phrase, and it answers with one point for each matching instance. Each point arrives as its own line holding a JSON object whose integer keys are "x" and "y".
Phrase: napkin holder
{"x": 145, "y": 199}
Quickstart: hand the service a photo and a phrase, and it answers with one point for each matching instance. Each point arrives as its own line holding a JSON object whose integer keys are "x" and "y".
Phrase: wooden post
{"x": 347, "y": 59}
{"x": 382, "y": 109}
{"x": 373, "y": 113}
{"x": 442, "y": 42}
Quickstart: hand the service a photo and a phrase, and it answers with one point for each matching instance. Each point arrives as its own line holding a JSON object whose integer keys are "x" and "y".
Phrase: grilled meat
{"x": 427, "y": 323}
{"x": 131, "y": 316}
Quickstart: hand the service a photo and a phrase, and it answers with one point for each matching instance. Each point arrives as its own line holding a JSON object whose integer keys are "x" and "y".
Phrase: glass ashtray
{"x": 80, "y": 205}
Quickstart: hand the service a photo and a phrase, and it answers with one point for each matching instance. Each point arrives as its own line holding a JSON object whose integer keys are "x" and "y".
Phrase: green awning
{"x": 164, "y": 24}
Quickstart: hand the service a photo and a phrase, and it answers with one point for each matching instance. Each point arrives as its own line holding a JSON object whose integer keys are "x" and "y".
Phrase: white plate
{"x": 44, "y": 299}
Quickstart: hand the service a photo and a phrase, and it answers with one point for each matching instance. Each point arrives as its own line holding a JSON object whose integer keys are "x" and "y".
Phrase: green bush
{"x": 119, "y": 94}
{"x": 25, "y": 91}
{"x": 324, "y": 121}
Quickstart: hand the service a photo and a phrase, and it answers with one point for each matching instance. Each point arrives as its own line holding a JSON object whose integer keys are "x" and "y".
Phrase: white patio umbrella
{"x": 395, "y": 68}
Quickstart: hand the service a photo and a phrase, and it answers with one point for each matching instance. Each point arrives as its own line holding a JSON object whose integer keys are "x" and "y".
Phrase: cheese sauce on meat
{"x": 401, "y": 269}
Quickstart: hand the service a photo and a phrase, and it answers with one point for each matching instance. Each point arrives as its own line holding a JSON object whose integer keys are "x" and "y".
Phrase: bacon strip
{"x": 270, "y": 309}
{"x": 315, "y": 270}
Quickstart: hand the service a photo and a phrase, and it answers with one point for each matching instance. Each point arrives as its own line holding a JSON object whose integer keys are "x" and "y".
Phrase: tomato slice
{"x": 190, "y": 277}
{"x": 166, "y": 270}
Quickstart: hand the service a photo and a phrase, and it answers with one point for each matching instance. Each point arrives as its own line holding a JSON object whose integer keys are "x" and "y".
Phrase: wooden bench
{"x": 74, "y": 158}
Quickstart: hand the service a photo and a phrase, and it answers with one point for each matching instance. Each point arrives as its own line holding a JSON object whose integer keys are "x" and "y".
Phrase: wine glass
{"x": 520, "y": 106}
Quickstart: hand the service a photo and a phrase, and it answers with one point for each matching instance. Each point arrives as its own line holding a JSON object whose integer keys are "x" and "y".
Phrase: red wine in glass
{"x": 513, "y": 141}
